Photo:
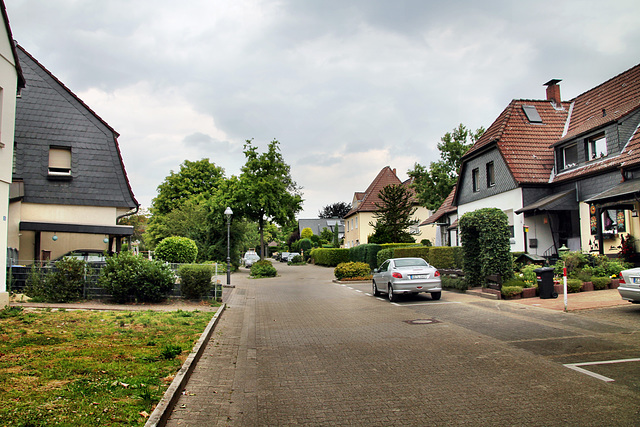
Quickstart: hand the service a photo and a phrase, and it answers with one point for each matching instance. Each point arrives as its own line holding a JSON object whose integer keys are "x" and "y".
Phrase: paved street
{"x": 300, "y": 349}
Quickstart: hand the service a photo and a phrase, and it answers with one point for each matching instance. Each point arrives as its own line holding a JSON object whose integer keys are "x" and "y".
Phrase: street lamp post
{"x": 228, "y": 212}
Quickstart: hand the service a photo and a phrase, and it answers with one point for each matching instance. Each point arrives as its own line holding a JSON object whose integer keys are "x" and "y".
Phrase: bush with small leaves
{"x": 262, "y": 269}
{"x": 195, "y": 280}
{"x": 351, "y": 270}
{"x": 128, "y": 276}
{"x": 176, "y": 249}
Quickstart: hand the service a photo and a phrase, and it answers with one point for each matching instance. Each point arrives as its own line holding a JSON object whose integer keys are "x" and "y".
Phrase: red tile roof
{"x": 604, "y": 104}
{"x": 445, "y": 208}
{"x": 366, "y": 201}
{"x": 527, "y": 148}
{"x": 525, "y": 145}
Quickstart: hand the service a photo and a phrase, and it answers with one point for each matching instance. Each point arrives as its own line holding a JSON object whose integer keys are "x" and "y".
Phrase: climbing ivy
{"x": 485, "y": 239}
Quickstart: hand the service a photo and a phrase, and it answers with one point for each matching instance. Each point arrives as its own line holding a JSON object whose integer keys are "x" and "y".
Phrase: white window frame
{"x": 596, "y": 147}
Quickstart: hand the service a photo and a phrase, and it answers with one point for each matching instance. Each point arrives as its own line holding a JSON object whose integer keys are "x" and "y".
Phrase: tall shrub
{"x": 128, "y": 276}
{"x": 485, "y": 239}
{"x": 176, "y": 249}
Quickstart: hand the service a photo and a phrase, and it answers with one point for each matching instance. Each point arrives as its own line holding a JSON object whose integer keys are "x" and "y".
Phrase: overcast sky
{"x": 347, "y": 87}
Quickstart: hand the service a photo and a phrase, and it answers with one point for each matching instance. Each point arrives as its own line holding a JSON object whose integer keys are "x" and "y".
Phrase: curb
{"x": 162, "y": 411}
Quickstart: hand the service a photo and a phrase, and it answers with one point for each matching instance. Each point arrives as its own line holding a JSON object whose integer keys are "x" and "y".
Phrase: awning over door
{"x": 550, "y": 202}
{"x": 622, "y": 196}
{"x": 112, "y": 230}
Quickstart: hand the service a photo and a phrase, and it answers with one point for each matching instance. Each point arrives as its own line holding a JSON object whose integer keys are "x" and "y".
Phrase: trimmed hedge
{"x": 365, "y": 253}
{"x": 449, "y": 257}
{"x": 383, "y": 255}
{"x": 329, "y": 257}
{"x": 195, "y": 280}
{"x": 414, "y": 252}
{"x": 600, "y": 283}
{"x": 177, "y": 249}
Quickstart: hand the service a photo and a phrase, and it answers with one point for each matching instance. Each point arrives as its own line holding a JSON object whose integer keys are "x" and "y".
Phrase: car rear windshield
{"x": 418, "y": 262}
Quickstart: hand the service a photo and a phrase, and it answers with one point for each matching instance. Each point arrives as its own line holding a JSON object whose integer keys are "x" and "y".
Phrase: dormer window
{"x": 59, "y": 162}
{"x": 596, "y": 147}
{"x": 570, "y": 156}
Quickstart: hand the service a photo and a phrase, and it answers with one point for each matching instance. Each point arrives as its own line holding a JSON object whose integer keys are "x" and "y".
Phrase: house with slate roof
{"x": 70, "y": 186}
{"x": 564, "y": 172}
{"x": 357, "y": 222}
{"x": 11, "y": 83}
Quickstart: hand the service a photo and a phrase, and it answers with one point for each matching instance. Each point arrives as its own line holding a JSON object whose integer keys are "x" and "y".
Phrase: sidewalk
{"x": 578, "y": 301}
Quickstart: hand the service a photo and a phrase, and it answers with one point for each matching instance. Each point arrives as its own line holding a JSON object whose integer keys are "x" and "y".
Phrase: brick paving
{"x": 299, "y": 349}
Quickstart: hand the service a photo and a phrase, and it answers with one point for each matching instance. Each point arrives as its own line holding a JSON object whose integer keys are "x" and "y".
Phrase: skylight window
{"x": 532, "y": 114}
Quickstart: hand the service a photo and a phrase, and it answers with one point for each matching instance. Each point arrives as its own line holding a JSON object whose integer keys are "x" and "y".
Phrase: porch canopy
{"x": 622, "y": 196}
{"x": 111, "y": 230}
{"x": 554, "y": 202}
{"x": 115, "y": 232}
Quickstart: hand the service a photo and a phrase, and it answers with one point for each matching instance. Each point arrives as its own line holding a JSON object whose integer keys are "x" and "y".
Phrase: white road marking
{"x": 576, "y": 367}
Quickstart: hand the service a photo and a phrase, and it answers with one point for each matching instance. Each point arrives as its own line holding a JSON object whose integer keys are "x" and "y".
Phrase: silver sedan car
{"x": 630, "y": 285}
{"x": 406, "y": 276}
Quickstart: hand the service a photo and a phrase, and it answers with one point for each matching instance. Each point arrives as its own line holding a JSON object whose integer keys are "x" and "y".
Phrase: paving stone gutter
{"x": 162, "y": 411}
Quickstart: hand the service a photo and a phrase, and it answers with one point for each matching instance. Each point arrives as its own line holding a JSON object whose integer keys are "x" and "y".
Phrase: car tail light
{"x": 397, "y": 275}
{"x": 622, "y": 282}
{"x": 437, "y": 273}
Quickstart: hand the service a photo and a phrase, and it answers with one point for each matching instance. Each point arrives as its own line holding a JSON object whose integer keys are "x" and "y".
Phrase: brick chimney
{"x": 553, "y": 91}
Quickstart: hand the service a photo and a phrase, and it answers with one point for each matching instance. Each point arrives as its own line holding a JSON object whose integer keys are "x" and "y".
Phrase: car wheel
{"x": 392, "y": 297}
{"x": 436, "y": 295}
{"x": 374, "y": 289}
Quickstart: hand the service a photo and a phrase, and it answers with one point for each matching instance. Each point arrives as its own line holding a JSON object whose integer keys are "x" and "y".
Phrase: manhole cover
{"x": 422, "y": 321}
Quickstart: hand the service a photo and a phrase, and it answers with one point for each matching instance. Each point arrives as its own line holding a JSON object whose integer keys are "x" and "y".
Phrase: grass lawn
{"x": 80, "y": 368}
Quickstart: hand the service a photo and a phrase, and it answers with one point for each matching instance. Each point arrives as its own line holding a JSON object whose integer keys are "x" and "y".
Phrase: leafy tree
{"x": 139, "y": 222}
{"x": 432, "y": 185}
{"x": 393, "y": 215}
{"x": 265, "y": 190}
{"x": 326, "y": 235}
{"x": 306, "y": 233}
{"x": 199, "y": 179}
{"x": 336, "y": 236}
{"x": 335, "y": 210}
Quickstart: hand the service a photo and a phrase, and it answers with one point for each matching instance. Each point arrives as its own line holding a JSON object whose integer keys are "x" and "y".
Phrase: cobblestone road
{"x": 299, "y": 349}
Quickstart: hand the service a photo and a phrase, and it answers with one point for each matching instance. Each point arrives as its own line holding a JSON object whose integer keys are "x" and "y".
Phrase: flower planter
{"x": 529, "y": 292}
{"x": 586, "y": 287}
{"x": 614, "y": 284}
{"x": 515, "y": 296}
{"x": 559, "y": 288}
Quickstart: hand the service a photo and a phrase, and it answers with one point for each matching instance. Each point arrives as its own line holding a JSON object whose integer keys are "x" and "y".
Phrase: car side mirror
{"x": 376, "y": 270}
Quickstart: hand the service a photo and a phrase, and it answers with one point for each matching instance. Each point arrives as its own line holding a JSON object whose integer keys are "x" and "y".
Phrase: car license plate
{"x": 420, "y": 276}
{"x": 636, "y": 280}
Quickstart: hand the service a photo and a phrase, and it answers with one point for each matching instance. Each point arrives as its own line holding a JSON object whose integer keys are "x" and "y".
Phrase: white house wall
{"x": 508, "y": 202}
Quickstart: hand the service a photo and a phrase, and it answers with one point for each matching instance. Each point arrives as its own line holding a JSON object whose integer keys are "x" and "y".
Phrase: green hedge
{"x": 195, "y": 280}
{"x": 600, "y": 283}
{"x": 329, "y": 257}
{"x": 384, "y": 254}
{"x": 365, "y": 253}
{"x": 449, "y": 257}
{"x": 414, "y": 252}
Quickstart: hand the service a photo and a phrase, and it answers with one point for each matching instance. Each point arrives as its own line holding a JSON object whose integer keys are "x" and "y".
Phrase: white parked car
{"x": 250, "y": 258}
{"x": 406, "y": 276}
{"x": 629, "y": 287}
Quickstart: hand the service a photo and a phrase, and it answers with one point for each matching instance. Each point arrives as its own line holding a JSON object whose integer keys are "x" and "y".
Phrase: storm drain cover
{"x": 422, "y": 321}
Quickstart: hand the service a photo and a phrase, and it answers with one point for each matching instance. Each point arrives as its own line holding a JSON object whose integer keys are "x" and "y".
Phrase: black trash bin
{"x": 545, "y": 282}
